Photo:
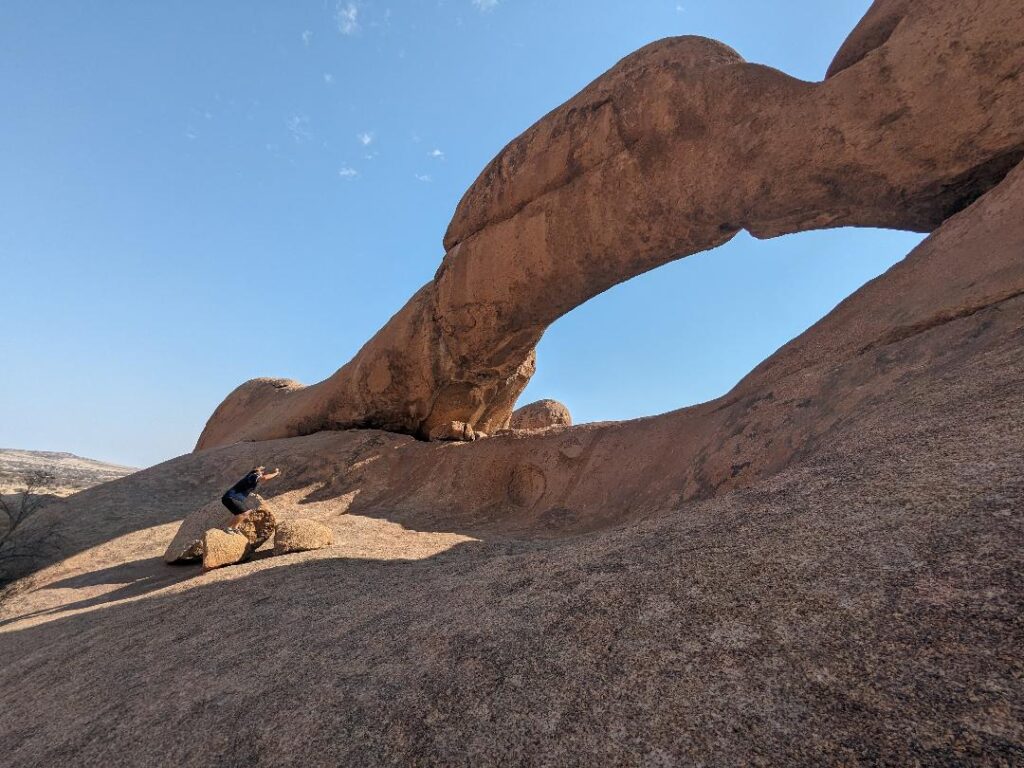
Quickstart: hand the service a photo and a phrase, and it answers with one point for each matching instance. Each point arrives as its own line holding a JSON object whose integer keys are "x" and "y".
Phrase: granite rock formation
{"x": 673, "y": 151}
{"x": 823, "y": 566}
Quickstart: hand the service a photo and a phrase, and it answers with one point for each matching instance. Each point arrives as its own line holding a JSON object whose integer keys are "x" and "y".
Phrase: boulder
{"x": 541, "y": 415}
{"x": 187, "y": 544}
{"x": 258, "y": 527}
{"x": 221, "y": 548}
{"x": 457, "y": 431}
{"x": 301, "y": 536}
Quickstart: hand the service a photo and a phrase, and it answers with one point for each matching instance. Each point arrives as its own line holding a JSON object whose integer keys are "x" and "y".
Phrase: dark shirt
{"x": 246, "y": 485}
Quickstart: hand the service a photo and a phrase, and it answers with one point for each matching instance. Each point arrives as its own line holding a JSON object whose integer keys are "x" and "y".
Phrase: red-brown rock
{"x": 673, "y": 151}
{"x": 542, "y": 414}
{"x": 457, "y": 431}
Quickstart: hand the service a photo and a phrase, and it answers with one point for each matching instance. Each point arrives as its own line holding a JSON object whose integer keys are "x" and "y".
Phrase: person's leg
{"x": 237, "y": 508}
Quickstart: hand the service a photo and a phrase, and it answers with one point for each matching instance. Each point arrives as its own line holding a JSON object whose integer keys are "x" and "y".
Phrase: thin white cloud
{"x": 298, "y": 127}
{"x": 328, "y": 78}
{"x": 307, "y": 36}
{"x": 347, "y": 17}
{"x": 485, "y": 5}
{"x": 346, "y": 172}
{"x": 424, "y": 178}
{"x": 438, "y": 154}
{"x": 365, "y": 138}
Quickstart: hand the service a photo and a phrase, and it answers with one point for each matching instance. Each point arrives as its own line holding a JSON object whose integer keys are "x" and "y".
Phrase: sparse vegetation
{"x": 21, "y": 545}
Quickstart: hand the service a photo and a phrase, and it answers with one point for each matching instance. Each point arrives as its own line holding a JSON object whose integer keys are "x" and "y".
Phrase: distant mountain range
{"x": 70, "y": 473}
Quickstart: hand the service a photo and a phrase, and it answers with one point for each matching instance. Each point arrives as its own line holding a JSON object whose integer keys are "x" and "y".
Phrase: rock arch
{"x": 673, "y": 151}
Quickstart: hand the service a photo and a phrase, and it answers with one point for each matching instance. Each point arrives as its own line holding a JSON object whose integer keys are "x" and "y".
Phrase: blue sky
{"x": 193, "y": 194}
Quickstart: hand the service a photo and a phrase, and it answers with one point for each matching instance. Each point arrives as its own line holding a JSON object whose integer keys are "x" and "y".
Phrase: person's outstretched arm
{"x": 271, "y": 475}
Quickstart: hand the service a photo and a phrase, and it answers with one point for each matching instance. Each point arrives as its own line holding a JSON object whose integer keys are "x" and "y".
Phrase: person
{"x": 234, "y": 498}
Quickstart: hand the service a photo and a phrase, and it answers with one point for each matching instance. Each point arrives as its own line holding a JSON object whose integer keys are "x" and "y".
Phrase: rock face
{"x": 589, "y": 476}
{"x": 824, "y": 566}
{"x": 673, "y": 151}
{"x": 457, "y": 431}
{"x": 541, "y": 415}
{"x": 221, "y": 548}
{"x": 302, "y": 536}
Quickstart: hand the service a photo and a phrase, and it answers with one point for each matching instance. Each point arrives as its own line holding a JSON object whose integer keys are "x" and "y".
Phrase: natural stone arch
{"x": 672, "y": 152}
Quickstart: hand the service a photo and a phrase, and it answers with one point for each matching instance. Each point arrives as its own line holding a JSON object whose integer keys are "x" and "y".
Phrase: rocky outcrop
{"x": 938, "y": 307}
{"x": 302, "y": 536}
{"x": 221, "y": 548}
{"x": 187, "y": 544}
{"x": 824, "y": 566}
{"x": 542, "y": 414}
{"x": 835, "y": 546}
{"x": 673, "y": 151}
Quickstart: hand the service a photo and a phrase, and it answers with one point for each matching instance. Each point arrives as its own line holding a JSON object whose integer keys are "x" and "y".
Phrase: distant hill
{"x": 71, "y": 473}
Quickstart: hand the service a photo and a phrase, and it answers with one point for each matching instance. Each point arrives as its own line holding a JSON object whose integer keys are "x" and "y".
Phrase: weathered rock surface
{"x": 541, "y": 415}
{"x": 302, "y": 536}
{"x": 187, "y": 544}
{"x": 673, "y": 151}
{"x": 221, "y": 548}
{"x": 825, "y": 566}
{"x": 964, "y": 276}
{"x": 257, "y": 527}
{"x": 457, "y": 431}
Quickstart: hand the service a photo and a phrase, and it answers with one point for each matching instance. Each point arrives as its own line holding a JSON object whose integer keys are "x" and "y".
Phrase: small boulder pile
{"x": 222, "y": 548}
{"x": 202, "y": 536}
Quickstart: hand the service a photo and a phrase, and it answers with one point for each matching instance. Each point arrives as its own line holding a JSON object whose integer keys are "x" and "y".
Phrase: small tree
{"x": 21, "y": 546}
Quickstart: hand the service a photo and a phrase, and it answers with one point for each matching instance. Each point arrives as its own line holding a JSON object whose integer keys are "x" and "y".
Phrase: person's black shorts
{"x": 235, "y": 502}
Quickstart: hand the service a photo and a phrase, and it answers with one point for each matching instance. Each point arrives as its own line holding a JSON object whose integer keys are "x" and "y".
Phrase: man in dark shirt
{"x": 234, "y": 498}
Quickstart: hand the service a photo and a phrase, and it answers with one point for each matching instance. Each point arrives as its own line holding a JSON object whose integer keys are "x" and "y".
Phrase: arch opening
{"x": 689, "y": 331}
